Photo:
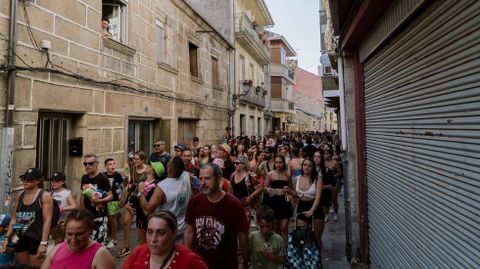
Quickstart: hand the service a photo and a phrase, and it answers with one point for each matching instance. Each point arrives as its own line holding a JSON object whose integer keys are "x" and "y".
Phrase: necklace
{"x": 165, "y": 261}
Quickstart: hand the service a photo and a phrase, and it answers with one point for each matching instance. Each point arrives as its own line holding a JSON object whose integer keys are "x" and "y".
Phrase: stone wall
{"x": 100, "y": 112}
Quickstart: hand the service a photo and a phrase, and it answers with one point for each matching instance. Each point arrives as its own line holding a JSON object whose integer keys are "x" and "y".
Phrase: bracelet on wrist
{"x": 247, "y": 264}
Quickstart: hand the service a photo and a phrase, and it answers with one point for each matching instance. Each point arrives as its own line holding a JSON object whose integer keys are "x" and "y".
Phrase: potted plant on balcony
{"x": 247, "y": 82}
{"x": 258, "y": 89}
{"x": 264, "y": 92}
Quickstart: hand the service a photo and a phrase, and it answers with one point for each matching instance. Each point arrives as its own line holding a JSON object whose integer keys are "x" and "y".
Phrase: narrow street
{"x": 333, "y": 239}
{"x": 333, "y": 251}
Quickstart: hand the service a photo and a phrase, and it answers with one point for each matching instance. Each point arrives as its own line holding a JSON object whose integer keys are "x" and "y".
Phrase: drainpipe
{"x": 6, "y": 158}
{"x": 232, "y": 94}
{"x": 232, "y": 89}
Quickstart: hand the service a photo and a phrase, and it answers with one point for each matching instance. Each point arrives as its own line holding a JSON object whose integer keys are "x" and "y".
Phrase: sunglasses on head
{"x": 88, "y": 164}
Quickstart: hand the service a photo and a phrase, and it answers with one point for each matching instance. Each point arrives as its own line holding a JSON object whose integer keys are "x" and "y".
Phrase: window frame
{"x": 215, "y": 71}
{"x": 160, "y": 38}
{"x": 137, "y": 124}
{"x": 193, "y": 60}
{"x": 122, "y": 18}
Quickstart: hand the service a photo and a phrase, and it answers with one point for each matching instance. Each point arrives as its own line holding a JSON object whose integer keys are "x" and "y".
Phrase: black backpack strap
{"x": 41, "y": 197}
{"x": 20, "y": 199}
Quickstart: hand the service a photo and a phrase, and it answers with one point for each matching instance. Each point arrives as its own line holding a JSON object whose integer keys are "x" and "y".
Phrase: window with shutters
{"x": 215, "y": 72}
{"x": 160, "y": 42}
{"x": 116, "y": 13}
{"x": 193, "y": 59}
{"x": 242, "y": 68}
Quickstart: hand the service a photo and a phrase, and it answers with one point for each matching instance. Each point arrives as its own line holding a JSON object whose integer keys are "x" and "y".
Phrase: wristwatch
{"x": 44, "y": 243}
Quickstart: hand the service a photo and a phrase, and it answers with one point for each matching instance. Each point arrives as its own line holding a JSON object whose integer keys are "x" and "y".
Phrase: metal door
{"x": 52, "y": 143}
{"x": 186, "y": 131}
{"x": 422, "y": 129}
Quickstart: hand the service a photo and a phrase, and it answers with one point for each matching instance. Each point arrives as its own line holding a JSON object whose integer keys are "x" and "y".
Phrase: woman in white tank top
{"x": 308, "y": 189}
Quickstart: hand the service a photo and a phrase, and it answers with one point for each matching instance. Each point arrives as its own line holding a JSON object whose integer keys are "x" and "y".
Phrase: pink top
{"x": 65, "y": 258}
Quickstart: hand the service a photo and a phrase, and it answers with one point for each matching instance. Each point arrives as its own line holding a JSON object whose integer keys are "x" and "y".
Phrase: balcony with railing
{"x": 281, "y": 70}
{"x": 282, "y": 105}
{"x": 251, "y": 95}
{"x": 247, "y": 36}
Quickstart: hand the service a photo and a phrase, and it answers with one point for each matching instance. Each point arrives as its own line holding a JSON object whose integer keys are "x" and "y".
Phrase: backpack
{"x": 55, "y": 210}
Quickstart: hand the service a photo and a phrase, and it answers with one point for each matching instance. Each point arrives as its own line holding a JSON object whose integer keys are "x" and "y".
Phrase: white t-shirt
{"x": 62, "y": 198}
{"x": 177, "y": 194}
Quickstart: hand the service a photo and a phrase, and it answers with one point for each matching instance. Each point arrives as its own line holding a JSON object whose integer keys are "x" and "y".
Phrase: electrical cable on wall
{"x": 62, "y": 71}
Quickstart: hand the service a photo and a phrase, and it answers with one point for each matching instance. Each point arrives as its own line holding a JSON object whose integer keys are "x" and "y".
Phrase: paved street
{"x": 333, "y": 239}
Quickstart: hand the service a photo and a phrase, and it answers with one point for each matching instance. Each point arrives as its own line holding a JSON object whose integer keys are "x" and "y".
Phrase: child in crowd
{"x": 66, "y": 201}
{"x": 118, "y": 188}
{"x": 7, "y": 257}
{"x": 268, "y": 251}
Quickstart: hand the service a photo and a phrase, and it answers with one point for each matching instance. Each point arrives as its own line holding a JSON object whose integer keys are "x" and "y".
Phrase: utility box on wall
{"x": 75, "y": 147}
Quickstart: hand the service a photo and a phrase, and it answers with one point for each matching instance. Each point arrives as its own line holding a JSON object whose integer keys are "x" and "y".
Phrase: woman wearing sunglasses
{"x": 245, "y": 186}
{"x": 30, "y": 223}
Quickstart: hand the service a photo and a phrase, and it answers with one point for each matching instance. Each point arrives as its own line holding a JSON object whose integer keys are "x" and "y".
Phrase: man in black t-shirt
{"x": 160, "y": 155}
{"x": 97, "y": 193}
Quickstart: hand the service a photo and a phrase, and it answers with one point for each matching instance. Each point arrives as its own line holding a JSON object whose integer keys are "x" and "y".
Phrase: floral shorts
{"x": 113, "y": 208}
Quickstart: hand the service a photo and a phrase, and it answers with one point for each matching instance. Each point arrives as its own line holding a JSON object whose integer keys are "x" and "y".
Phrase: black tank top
{"x": 278, "y": 184}
{"x": 31, "y": 216}
{"x": 240, "y": 189}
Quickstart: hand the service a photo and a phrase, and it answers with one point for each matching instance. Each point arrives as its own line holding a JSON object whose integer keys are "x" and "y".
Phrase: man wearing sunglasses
{"x": 160, "y": 155}
{"x": 96, "y": 192}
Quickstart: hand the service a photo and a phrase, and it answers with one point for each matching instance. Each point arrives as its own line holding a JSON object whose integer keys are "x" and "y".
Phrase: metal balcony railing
{"x": 252, "y": 96}
{"x": 243, "y": 25}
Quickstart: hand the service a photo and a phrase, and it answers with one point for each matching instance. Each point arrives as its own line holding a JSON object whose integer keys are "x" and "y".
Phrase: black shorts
{"x": 141, "y": 222}
{"x": 303, "y": 206}
{"x": 26, "y": 243}
{"x": 326, "y": 199}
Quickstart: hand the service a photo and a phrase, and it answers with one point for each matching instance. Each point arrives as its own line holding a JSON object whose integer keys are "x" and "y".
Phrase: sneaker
{"x": 325, "y": 220}
{"x": 124, "y": 252}
{"x": 331, "y": 210}
{"x": 335, "y": 216}
{"x": 112, "y": 244}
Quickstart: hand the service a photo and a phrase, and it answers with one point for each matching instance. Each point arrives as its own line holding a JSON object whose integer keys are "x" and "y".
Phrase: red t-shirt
{"x": 216, "y": 227}
{"x": 183, "y": 258}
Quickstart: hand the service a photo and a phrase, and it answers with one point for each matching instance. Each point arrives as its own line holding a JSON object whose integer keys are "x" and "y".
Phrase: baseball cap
{"x": 4, "y": 220}
{"x": 180, "y": 147}
{"x": 58, "y": 176}
{"x": 32, "y": 173}
{"x": 219, "y": 162}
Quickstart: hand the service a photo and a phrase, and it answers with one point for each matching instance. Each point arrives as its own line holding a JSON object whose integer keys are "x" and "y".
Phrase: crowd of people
{"x": 202, "y": 207}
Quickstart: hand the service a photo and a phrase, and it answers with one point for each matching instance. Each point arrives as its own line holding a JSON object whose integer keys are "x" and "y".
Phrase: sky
{"x": 298, "y": 22}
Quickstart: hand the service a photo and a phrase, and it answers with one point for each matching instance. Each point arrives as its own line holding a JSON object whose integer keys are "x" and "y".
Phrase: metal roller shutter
{"x": 422, "y": 122}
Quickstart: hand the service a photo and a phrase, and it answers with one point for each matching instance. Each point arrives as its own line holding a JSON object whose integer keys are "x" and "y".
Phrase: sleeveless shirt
{"x": 65, "y": 258}
{"x": 31, "y": 216}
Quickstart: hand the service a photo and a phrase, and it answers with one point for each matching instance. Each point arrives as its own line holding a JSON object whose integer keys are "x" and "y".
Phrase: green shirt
{"x": 258, "y": 243}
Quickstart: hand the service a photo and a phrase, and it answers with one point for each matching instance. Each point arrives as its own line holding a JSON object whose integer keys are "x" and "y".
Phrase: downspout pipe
{"x": 12, "y": 43}
{"x": 8, "y": 132}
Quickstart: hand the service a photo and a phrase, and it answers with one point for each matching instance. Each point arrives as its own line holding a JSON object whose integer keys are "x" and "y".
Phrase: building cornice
{"x": 206, "y": 26}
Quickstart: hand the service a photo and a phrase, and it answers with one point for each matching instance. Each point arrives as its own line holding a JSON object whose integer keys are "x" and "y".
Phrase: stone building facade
{"x": 164, "y": 73}
{"x": 252, "y": 60}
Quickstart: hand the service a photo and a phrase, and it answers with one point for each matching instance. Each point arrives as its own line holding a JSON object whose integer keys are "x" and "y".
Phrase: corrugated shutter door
{"x": 422, "y": 120}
